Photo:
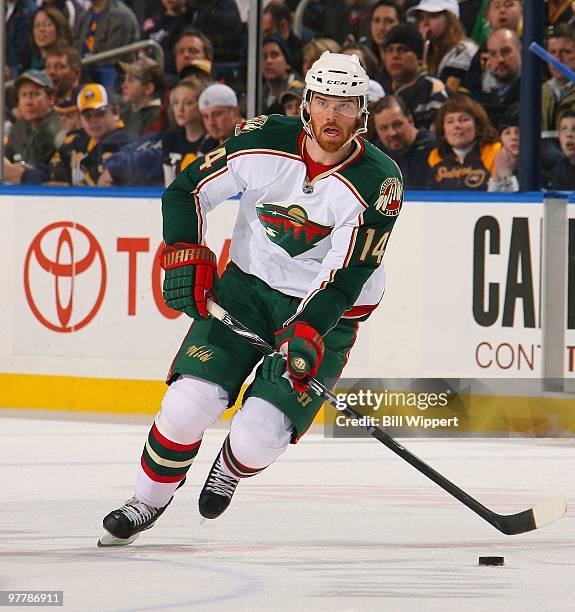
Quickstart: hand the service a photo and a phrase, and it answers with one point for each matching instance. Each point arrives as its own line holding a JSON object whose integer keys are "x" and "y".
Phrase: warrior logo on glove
{"x": 190, "y": 270}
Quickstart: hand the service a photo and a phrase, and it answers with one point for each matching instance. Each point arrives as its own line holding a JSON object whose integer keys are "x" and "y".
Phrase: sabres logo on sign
{"x": 290, "y": 228}
{"x": 390, "y": 195}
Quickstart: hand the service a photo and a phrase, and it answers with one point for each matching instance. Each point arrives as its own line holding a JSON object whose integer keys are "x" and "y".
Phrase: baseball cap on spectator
{"x": 38, "y": 77}
{"x": 93, "y": 97}
{"x": 375, "y": 92}
{"x": 404, "y": 34}
{"x": 217, "y": 94}
{"x": 203, "y": 65}
{"x": 145, "y": 70}
{"x": 436, "y": 6}
{"x": 281, "y": 43}
{"x": 295, "y": 90}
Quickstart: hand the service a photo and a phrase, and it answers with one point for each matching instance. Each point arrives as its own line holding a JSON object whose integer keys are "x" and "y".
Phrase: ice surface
{"x": 333, "y": 525}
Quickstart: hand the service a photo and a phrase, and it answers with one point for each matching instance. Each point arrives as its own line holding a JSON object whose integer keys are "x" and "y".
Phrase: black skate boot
{"x": 126, "y": 523}
{"x": 217, "y": 492}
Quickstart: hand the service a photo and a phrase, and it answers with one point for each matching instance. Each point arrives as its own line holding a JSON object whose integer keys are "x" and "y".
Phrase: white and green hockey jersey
{"x": 322, "y": 241}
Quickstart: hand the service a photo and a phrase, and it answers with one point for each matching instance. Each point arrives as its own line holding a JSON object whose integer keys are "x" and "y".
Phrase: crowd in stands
{"x": 444, "y": 85}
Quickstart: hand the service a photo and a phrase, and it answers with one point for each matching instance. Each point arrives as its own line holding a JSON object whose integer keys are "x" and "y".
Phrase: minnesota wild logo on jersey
{"x": 289, "y": 227}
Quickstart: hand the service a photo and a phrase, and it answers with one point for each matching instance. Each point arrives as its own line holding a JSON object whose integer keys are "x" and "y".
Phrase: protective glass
{"x": 347, "y": 108}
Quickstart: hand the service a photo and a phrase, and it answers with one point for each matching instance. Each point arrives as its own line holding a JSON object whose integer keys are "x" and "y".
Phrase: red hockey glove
{"x": 189, "y": 277}
{"x": 303, "y": 348}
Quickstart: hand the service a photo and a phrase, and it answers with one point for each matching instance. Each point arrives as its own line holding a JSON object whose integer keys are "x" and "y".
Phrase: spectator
{"x": 31, "y": 142}
{"x": 562, "y": 174}
{"x": 276, "y": 71}
{"x": 504, "y": 177}
{"x": 559, "y": 11}
{"x": 67, "y": 111}
{"x": 277, "y": 19}
{"x": 422, "y": 94}
{"x": 219, "y": 110}
{"x": 107, "y": 25}
{"x": 398, "y": 137}
{"x": 359, "y": 19}
{"x": 291, "y": 99}
{"x": 49, "y": 30}
{"x": 313, "y": 50}
{"x": 499, "y": 14}
{"x": 19, "y": 15}
{"x": 180, "y": 147}
{"x": 165, "y": 27}
{"x": 71, "y": 9}
{"x": 384, "y": 15}
{"x": 63, "y": 66}
{"x": 467, "y": 145}
{"x": 448, "y": 52}
{"x": 191, "y": 45}
{"x": 142, "y": 91}
{"x": 220, "y": 21}
{"x": 366, "y": 57}
{"x": 500, "y": 86}
{"x": 80, "y": 162}
{"x": 559, "y": 91}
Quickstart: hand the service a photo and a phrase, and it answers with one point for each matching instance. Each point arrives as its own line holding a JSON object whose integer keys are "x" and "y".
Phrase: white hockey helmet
{"x": 336, "y": 74}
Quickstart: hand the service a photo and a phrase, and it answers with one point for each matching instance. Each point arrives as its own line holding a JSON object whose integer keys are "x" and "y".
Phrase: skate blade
{"x": 109, "y": 540}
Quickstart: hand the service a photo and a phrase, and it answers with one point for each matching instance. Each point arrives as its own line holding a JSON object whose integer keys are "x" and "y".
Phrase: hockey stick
{"x": 509, "y": 524}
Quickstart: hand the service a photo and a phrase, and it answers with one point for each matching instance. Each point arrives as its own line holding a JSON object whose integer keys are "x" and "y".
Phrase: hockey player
{"x": 317, "y": 207}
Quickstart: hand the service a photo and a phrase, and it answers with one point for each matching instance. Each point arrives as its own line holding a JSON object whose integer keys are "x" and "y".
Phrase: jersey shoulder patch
{"x": 266, "y": 132}
{"x": 378, "y": 180}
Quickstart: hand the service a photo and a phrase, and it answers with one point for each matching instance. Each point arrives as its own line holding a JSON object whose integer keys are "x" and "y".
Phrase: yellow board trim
{"x": 535, "y": 415}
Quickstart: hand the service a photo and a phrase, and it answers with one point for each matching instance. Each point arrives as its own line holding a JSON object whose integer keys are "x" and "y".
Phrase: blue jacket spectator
{"x": 138, "y": 163}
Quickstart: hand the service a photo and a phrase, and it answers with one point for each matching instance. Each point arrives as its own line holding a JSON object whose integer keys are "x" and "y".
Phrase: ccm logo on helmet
{"x": 336, "y": 82}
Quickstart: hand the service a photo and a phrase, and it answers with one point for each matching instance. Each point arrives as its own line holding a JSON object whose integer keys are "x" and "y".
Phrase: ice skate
{"x": 125, "y": 524}
{"x": 217, "y": 492}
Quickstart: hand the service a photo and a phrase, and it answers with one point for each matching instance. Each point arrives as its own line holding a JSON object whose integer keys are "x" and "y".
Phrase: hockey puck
{"x": 491, "y": 561}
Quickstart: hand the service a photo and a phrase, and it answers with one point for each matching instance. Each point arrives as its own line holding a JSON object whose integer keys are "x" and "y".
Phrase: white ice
{"x": 333, "y": 525}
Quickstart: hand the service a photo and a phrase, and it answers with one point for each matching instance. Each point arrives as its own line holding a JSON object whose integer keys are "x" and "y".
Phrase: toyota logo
{"x": 65, "y": 276}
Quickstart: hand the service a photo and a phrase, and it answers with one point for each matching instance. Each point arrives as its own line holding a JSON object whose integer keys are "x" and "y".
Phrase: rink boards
{"x": 85, "y": 327}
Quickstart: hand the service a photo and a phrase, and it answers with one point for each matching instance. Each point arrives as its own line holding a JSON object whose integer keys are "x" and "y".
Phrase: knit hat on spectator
{"x": 145, "y": 70}
{"x": 407, "y": 35}
{"x": 38, "y": 77}
{"x": 217, "y": 94}
{"x": 510, "y": 118}
{"x": 201, "y": 65}
{"x": 93, "y": 97}
{"x": 281, "y": 43}
{"x": 436, "y": 6}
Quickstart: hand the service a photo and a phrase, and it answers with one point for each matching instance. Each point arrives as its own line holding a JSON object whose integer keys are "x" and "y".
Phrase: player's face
{"x": 394, "y": 129}
{"x": 562, "y": 49}
{"x": 333, "y": 120}
{"x": 133, "y": 90}
{"x": 504, "y": 14}
{"x": 567, "y": 136}
{"x": 504, "y": 57}
{"x": 98, "y": 122}
{"x": 401, "y": 63}
{"x": 34, "y": 102}
{"x": 510, "y": 139}
{"x": 384, "y": 18}
{"x": 459, "y": 129}
{"x": 274, "y": 64}
{"x": 220, "y": 121}
{"x": 185, "y": 106}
